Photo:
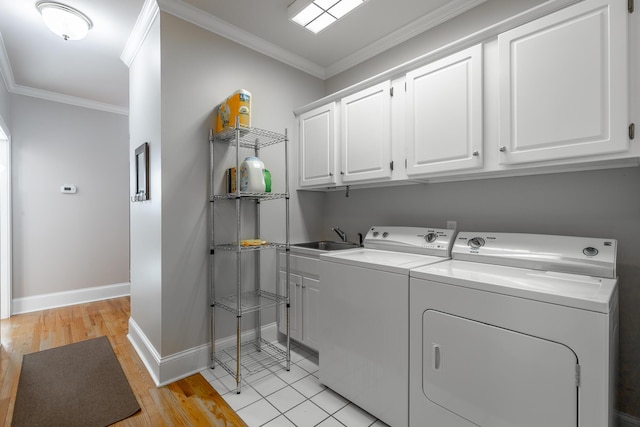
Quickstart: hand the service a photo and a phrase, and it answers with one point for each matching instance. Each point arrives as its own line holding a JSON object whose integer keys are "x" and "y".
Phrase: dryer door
{"x": 496, "y": 377}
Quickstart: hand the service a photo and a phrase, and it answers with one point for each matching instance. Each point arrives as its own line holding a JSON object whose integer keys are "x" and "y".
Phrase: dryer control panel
{"x": 566, "y": 254}
{"x": 418, "y": 240}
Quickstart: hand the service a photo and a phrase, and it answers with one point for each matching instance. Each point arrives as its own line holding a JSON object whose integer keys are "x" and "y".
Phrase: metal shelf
{"x": 255, "y": 356}
{"x": 233, "y": 247}
{"x": 250, "y": 196}
{"x": 249, "y": 138}
{"x": 249, "y": 301}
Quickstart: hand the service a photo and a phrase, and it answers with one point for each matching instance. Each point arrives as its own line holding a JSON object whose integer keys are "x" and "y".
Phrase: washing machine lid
{"x": 567, "y": 254}
{"x": 397, "y": 249}
{"x": 571, "y": 290}
{"x": 395, "y": 262}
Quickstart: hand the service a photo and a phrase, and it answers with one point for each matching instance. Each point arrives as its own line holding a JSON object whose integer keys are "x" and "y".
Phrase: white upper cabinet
{"x": 318, "y": 134}
{"x": 444, "y": 114}
{"x": 563, "y": 85}
{"x": 366, "y": 134}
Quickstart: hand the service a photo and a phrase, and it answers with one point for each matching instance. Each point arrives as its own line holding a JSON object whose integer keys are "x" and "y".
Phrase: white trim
{"x": 6, "y": 239}
{"x": 140, "y": 31}
{"x": 168, "y": 369}
{"x": 5, "y": 66}
{"x": 449, "y": 10}
{"x": 68, "y": 99}
{"x": 198, "y": 17}
{"x": 451, "y": 48}
{"x": 183, "y": 364}
{"x": 625, "y": 420}
{"x": 147, "y": 352}
{"x": 216, "y": 25}
{"x": 7, "y": 74}
{"x": 63, "y": 299}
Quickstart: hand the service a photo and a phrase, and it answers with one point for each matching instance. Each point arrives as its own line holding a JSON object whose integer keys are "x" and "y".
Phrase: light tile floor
{"x": 276, "y": 397}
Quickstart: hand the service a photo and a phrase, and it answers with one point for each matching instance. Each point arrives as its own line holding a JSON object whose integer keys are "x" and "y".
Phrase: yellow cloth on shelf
{"x": 252, "y": 242}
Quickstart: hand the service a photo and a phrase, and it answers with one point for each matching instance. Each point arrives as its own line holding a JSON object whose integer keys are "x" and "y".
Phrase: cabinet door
{"x": 444, "y": 114}
{"x": 295, "y": 311}
{"x": 366, "y": 134}
{"x": 310, "y": 307}
{"x": 317, "y": 146}
{"x": 563, "y": 84}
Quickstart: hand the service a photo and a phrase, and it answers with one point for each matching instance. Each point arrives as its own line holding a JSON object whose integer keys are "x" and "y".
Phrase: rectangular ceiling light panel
{"x": 319, "y": 14}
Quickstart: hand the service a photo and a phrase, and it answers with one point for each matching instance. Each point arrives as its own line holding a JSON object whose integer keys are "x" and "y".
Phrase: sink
{"x": 325, "y": 245}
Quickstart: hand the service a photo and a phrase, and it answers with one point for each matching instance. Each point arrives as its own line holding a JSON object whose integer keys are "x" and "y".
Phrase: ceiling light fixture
{"x": 319, "y": 14}
{"x": 64, "y": 21}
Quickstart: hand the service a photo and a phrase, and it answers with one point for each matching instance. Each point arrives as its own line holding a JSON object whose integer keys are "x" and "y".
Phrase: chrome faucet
{"x": 342, "y": 234}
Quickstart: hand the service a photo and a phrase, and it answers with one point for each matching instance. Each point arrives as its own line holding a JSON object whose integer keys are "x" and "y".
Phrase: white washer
{"x": 515, "y": 330}
{"x": 364, "y": 316}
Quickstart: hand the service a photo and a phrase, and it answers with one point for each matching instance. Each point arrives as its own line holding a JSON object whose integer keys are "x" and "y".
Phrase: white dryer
{"x": 364, "y": 316}
{"x": 516, "y": 330}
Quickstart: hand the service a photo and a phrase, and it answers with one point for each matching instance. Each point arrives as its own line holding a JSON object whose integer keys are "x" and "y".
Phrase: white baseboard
{"x": 165, "y": 370}
{"x": 62, "y": 299}
{"x": 625, "y": 420}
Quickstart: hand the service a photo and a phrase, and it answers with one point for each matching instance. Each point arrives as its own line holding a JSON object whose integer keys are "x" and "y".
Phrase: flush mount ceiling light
{"x": 65, "y": 21}
{"x": 317, "y": 15}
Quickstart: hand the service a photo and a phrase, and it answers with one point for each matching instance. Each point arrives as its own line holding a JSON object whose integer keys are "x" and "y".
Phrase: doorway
{"x": 5, "y": 221}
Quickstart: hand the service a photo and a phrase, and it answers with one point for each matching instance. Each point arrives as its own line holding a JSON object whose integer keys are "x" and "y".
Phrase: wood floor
{"x": 188, "y": 402}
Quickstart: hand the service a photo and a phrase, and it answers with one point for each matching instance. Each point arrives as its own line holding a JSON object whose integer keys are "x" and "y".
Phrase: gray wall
{"x": 171, "y": 107}
{"x": 200, "y": 69}
{"x": 599, "y": 203}
{"x": 146, "y": 238}
{"x": 66, "y": 242}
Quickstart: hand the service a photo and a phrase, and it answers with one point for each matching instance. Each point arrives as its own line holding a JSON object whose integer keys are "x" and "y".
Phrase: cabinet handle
{"x": 341, "y": 173}
{"x": 330, "y": 173}
{"x": 304, "y": 286}
{"x": 476, "y": 153}
{"x": 297, "y": 285}
{"x": 503, "y": 149}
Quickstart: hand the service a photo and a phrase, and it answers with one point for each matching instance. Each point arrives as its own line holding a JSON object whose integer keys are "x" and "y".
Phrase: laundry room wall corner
{"x": 628, "y": 388}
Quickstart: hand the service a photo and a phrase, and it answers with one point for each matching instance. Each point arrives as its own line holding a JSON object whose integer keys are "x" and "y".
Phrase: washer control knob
{"x": 385, "y": 235}
{"x": 375, "y": 234}
{"x": 590, "y": 251}
{"x": 431, "y": 237}
{"x": 476, "y": 242}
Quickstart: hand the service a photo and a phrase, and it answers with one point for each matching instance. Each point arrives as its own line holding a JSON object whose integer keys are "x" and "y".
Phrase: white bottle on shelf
{"x": 252, "y": 175}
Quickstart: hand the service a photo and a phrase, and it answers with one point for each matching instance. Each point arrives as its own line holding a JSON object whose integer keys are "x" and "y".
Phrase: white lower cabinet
{"x": 304, "y": 293}
{"x": 310, "y": 310}
{"x": 563, "y": 84}
{"x": 295, "y": 301}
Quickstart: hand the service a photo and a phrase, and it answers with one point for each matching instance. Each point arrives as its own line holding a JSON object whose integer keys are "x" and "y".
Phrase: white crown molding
{"x": 216, "y": 25}
{"x": 5, "y": 67}
{"x": 140, "y": 30}
{"x": 12, "y": 87}
{"x": 453, "y": 8}
{"x": 68, "y": 99}
{"x": 453, "y": 47}
{"x": 419, "y": 26}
